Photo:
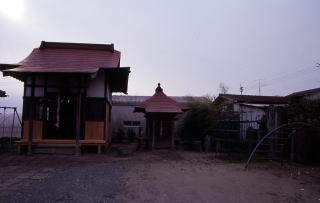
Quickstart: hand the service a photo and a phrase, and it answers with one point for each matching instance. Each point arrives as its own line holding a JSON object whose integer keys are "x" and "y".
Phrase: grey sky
{"x": 188, "y": 46}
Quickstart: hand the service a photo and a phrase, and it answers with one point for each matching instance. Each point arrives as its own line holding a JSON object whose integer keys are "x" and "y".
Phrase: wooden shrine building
{"x": 160, "y": 113}
{"x": 67, "y": 94}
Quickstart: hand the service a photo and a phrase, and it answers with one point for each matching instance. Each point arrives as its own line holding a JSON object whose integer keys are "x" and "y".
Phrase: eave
{"x": 118, "y": 78}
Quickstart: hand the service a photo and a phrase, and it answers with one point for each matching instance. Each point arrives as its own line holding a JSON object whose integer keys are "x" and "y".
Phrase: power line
{"x": 283, "y": 78}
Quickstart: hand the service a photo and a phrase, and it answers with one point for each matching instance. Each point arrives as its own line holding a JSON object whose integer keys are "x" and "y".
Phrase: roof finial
{"x": 158, "y": 89}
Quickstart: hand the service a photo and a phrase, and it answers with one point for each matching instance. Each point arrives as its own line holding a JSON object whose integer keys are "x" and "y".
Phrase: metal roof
{"x": 254, "y": 99}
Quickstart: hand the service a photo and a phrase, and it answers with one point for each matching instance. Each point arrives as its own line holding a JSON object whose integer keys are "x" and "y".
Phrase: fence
{"x": 235, "y": 135}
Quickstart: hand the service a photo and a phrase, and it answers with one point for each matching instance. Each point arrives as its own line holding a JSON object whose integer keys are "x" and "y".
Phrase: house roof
{"x": 60, "y": 57}
{"x": 305, "y": 92}
{"x": 254, "y": 99}
{"x": 160, "y": 103}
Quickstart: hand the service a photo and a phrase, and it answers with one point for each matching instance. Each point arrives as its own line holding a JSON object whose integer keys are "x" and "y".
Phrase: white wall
{"x": 96, "y": 86}
{"x": 251, "y": 113}
{"x": 125, "y": 113}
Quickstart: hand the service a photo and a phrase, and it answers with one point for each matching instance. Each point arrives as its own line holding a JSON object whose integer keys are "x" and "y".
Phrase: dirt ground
{"x": 158, "y": 176}
{"x": 193, "y": 177}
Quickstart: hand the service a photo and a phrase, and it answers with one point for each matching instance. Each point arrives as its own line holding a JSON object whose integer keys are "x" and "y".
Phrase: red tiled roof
{"x": 58, "y": 57}
{"x": 255, "y": 99}
{"x": 160, "y": 103}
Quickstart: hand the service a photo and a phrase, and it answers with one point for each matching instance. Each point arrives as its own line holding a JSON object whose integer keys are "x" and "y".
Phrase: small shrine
{"x": 160, "y": 113}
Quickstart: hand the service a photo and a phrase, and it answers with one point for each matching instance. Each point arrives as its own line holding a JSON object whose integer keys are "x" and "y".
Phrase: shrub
{"x": 198, "y": 120}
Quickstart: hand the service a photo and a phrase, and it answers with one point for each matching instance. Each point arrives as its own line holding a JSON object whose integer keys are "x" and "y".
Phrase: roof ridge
{"x": 70, "y": 45}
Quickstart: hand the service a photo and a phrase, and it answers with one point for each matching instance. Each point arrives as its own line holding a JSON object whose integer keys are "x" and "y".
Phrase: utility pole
{"x": 259, "y": 80}
{"x": 259, "y": 87}
{"x": 241, "y": 89}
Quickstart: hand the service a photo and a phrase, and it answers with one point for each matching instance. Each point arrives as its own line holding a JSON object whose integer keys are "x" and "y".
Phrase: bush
{"x": 198, "y": 120}
{"x": 302, "y": 110}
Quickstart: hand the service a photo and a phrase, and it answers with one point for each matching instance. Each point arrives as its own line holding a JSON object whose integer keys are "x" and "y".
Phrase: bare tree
{"x": 223, "y": 88}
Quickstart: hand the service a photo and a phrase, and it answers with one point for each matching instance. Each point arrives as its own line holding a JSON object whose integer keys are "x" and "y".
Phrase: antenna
{"x": 241, "y": 89}
{"x": 259, "y": 80}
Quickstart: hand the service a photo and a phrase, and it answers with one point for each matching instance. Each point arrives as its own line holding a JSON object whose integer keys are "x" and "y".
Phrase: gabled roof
{"x": 305, "y": 93}
{"x": 72, "y": 58}
{"x": 160, "y": 103}
{"x": 60, "y": 57}
{"x": 254, "y": 99}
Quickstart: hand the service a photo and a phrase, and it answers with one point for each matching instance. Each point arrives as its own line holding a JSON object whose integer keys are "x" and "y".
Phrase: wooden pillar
{"x": 172, "y": 135}
{"x": 161, "y": 129}
{"x": 99, "y": 149}
{"x": 153, "y": 131}
{"x": 31, "y": 117}
{"x": 147, "y": 134}
{"x": 292, "y": 149}
{"x": 78, "y": 125}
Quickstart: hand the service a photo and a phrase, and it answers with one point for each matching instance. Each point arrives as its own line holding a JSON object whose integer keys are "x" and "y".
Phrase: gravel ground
{"x": 189, "y": 177}
{"x": 158, "y": 176}
{"x": 96, "y": 183}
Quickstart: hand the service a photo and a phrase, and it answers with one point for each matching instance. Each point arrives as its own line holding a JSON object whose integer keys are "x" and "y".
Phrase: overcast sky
{"x": 187, "y": 46}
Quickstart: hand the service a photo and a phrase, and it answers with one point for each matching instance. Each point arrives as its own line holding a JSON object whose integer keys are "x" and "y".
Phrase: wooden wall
{"x": 108, "y": 122}
{"x": 94, "y": 130}
{"x": 37, "y": 130}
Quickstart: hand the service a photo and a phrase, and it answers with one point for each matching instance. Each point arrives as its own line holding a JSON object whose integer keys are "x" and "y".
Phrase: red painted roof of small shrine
{"x": 59, "y": 57}
{"x": 160, "y": 103}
